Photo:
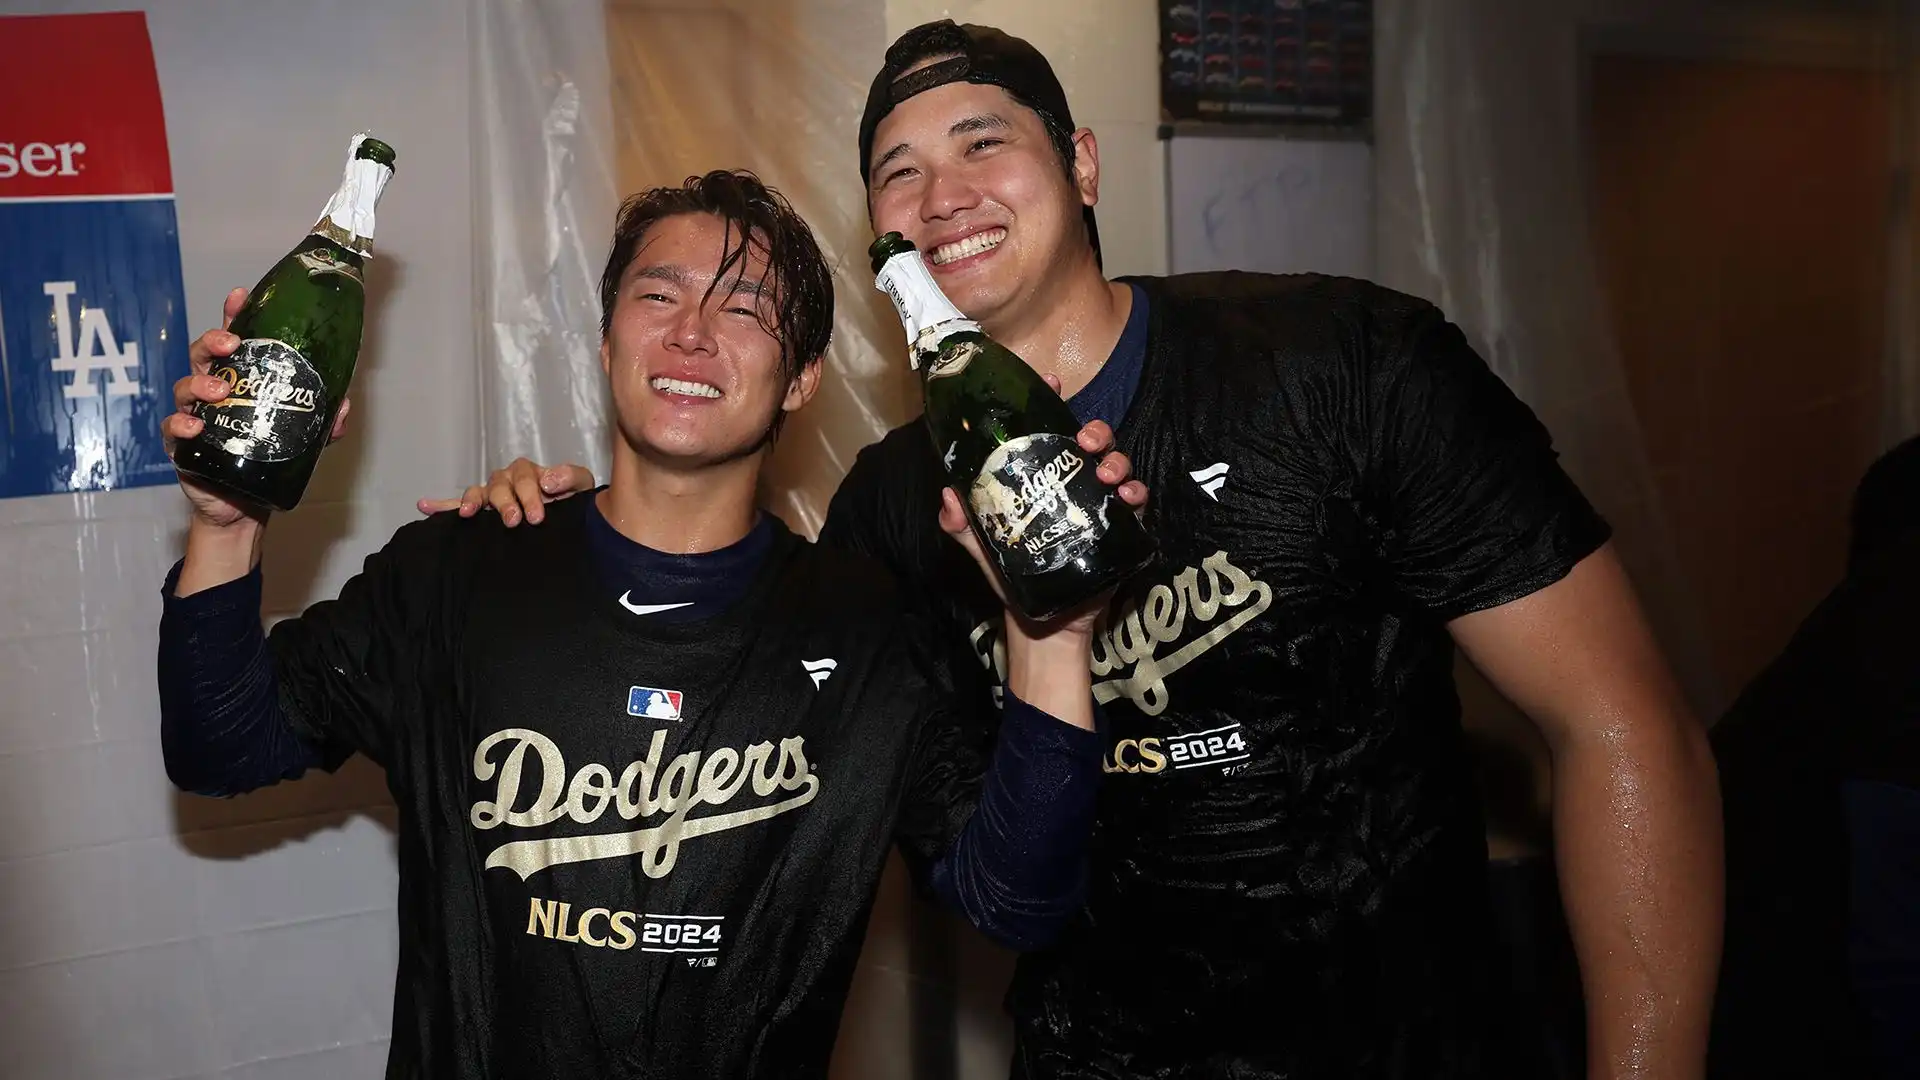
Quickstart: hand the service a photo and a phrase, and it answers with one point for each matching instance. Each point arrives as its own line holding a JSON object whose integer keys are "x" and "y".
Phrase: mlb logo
{"x": 653, "y": 703}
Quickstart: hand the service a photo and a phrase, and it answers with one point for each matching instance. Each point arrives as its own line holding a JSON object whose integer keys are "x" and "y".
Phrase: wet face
{"x": 695, "y": 373}
{"x": 968, "y": 174}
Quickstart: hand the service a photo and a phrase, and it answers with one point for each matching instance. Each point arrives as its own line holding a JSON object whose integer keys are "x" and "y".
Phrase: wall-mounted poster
{"x": 92, "y": 322}
{"x": 1278, "y": 62}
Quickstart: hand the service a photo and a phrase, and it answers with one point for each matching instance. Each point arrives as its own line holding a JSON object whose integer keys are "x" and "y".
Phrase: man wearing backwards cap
{"x": 1288, "y": 876}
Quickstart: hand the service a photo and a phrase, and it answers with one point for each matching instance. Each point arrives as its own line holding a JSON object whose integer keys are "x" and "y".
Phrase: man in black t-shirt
{"x": 1288, "y": 869}
{"x": 649, "y": 760}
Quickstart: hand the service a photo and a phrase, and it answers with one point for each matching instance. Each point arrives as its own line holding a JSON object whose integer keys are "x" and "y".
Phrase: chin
{"x": 682, "y": 454}
{"x": 979, "y": 299}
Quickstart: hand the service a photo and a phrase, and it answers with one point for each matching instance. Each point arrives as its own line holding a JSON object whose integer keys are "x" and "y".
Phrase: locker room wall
{"x": 146, "y": 934}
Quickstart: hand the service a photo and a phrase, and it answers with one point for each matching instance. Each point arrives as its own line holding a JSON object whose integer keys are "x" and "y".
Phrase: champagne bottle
{"x": 1057, "y": 535}
{"x": 299, "y": 338}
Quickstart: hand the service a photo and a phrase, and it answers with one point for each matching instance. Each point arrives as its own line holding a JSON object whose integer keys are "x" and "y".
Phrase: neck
{"x": 1067, "y": 328}
{"x": 680, "y": 512}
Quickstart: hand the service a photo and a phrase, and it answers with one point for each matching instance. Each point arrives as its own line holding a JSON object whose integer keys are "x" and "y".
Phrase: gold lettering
{"x": 593, "y": 782}
{"x": 690, "y": 779}
{"x": 1147, "y": 757}
{"x": 1125, "y": 658}
{"x": 571, "y": 939}
{"x": 634, "y": 799}
{"x": 1151, "y": 759}
{"x": 553, "y": 770}
{"x": 676, "y": 785}
{"x": 586, "y": 934}
{"x": 793, "y": 764}
{"x": 1162, "y": 615}
{"x": 762, "y": 777}
{"x": 1205, "y": 608}
{"x": 721, "y": 766}
{"x": 622, "y": 927}
{"x": 658, "y": 847}
{"x": 541, "y": 917}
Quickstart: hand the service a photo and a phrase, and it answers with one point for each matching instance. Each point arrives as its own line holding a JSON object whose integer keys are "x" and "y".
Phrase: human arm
{"x": 240, "y": 708}
{"x": 1493, "y": 539}
{"x": 1636, "y": 812}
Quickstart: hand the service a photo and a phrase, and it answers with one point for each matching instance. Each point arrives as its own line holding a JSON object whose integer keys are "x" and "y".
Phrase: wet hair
{"x": 759, "y": 219}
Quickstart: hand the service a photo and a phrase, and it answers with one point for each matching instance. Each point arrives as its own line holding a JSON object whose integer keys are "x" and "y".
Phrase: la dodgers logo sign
{"x": 92, "y": 311}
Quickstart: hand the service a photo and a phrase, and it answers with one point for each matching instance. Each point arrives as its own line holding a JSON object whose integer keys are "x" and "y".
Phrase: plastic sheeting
{"x": 146, "y": 934}
{"x": 1482, "y": 209}
{"x": 774, "y": 86}
{"x": 543, "y": 209}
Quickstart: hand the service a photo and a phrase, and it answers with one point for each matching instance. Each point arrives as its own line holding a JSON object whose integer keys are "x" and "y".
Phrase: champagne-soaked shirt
{"x": 633, "y": 845}
{"x": 1288, "y": 868}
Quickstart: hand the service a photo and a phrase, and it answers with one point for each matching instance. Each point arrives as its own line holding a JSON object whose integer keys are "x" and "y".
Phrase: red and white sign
{"x": 76, "y": 129}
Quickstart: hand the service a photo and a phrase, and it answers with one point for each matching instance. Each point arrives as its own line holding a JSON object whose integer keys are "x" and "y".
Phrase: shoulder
{"x": 1221, "y": 293}
{"x": 1314, "y": 322}
{"x": 888, "y": 498}
{"x": 854, "y": 595}
{"x": 842, "y": 583}
{"x": 902, "y": 454}
{"x": 446, "y": 541}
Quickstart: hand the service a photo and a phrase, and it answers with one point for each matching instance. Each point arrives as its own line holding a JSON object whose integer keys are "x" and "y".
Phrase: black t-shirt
{"x": 629, "y": 847}
{"x": 1288, "y": 873}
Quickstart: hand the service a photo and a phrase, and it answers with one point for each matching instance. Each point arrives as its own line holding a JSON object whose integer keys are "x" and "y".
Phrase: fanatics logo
{"x": 654, "y": 703}
{"x": 1211, "y": 479}
{"x": 818, "y": 670}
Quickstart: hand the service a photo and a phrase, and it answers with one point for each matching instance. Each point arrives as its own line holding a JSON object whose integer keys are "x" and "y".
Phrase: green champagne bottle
{"x": 299, "y": 338}
{"x": 1058, "y": 536}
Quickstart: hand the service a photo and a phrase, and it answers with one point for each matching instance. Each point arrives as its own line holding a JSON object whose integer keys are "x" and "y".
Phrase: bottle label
{"x": 953, "y": 360}
{"x": 321, "y": 260}
{"x": 276, "y": 406}
{"x": 1039, "y": 501}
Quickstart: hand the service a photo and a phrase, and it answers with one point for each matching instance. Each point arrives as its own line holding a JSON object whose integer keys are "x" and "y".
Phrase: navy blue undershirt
{"x": 706, "y": 583}
{"x": 1110, "y": 393}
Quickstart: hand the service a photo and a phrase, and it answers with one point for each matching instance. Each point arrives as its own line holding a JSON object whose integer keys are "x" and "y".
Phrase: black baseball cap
{"x": 975, "y": 54}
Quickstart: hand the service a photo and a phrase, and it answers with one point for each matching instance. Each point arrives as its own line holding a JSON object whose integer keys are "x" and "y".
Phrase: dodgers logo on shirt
{"x": 654, "y": 703}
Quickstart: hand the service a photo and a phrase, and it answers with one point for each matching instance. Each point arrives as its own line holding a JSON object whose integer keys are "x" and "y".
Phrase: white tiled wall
{"x": 148, "y": 934}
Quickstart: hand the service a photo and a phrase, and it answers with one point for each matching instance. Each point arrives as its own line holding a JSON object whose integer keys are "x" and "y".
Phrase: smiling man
{"x": 1289, "y": 874}
{"x": 649, "y": 760}
{"x": 1289, "y": 871}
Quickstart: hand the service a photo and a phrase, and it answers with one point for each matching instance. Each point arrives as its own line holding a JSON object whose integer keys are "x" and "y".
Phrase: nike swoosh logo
{"x": 648, "y": 609}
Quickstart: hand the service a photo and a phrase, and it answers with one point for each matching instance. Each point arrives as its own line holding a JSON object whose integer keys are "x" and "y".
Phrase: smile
{"x": 972, "y": 245}
{"x": 682, "y": 387}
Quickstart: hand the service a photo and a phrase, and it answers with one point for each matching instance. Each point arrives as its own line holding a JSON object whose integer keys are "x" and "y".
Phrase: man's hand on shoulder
{"x": 519, "y": 492}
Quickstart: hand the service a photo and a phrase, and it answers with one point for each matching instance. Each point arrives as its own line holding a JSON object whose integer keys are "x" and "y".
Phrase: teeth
{"x": 972, "y": 245}
{"x": 691, "y": 389}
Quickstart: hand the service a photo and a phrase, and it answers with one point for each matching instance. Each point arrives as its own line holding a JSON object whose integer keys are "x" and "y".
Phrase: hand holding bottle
{"x": 1114, "y": 470}
{"x": 210, "y": 505}
{"x": 288, "y": 352}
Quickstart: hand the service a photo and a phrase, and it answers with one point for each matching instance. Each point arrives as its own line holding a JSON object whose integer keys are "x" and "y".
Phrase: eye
{"x": 984, "y": 143}
{"x": 897, "y": 174}
{"x": 657, "y": 297}
{"x": 738, "y": 309}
